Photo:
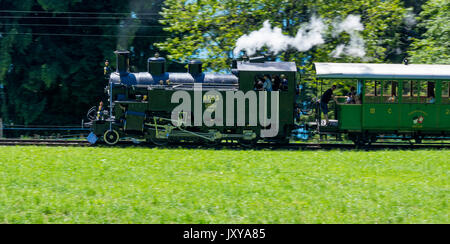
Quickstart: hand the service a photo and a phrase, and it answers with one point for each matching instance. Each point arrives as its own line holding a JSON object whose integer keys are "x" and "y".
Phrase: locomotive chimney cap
{"x": 195, "y": 61}
{"x": 122, "y": 52}
{"x": 157, "y": 60}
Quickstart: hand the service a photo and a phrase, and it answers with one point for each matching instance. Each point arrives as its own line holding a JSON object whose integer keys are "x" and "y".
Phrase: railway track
{"x": 295, "y": 146}
{"x": 36, "y": 142}
{"x": 235, "y": 146}
{"x": 330, "y": 146}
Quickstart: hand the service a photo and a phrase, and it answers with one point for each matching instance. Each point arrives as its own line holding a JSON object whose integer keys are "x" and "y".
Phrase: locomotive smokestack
{"x": 195, "y": 67}
{"x": 122, "y": 62}
{"x": 156, "y": 65}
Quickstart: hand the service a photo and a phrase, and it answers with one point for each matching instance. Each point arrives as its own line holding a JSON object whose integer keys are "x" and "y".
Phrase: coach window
{"x": 372, "y": 92}
{"x": 390, "y": 92}
{"x": 410, "y": 91}
{"x": 446, "y": 92}
{"x": 427, "y": 92}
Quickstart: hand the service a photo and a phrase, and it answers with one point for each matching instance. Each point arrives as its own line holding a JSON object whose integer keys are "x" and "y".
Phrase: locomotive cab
{"x": 282, "y": 76}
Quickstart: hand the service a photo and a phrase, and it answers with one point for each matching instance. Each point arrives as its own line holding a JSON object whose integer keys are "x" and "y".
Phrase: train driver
{"x": 267, "y": 86}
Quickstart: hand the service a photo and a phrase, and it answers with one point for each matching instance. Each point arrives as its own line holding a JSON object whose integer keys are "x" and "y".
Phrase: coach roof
{"x": 382, "y": 71}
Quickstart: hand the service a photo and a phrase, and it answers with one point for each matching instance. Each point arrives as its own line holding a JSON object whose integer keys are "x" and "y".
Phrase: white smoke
{"x": 350, "y": 24}
{"x": 410, "y": 19}
{"x": 308, "y": 36}
{"x": 356, "y": 47}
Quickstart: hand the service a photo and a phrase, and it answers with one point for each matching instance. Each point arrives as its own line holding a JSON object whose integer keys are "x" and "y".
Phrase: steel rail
{"x": 21, "y": 142}
{"x": 236, "y": 146}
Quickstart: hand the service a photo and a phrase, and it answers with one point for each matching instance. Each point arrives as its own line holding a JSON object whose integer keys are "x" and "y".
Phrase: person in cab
{"x": 267, "y": 83}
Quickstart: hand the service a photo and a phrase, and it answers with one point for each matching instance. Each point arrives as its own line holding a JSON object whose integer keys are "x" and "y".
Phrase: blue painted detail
{"x": 121, "y": 97}
{"x": 92, "y": 138}
{"x": 135, "y": 113}
{"x": 301, "y": 134}
{"x": 306, "y": 107}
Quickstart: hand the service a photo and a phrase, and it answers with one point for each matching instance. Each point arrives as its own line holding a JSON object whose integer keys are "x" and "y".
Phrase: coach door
{"x": 381, "y": 105}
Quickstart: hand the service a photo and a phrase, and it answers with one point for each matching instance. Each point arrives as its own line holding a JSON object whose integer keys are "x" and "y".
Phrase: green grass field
{"x": 139, "y": 185}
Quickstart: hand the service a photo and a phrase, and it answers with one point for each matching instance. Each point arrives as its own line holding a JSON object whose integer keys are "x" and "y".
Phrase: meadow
{"x": 151, "y": 185}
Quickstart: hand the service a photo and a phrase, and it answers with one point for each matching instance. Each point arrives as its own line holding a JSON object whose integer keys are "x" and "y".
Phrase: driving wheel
{"x": 111, "y": 137}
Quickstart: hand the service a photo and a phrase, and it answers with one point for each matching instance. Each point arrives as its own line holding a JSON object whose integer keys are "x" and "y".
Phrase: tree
{"x": 209, "y": 28}
{"x": 52, "y": 53}
{"x": 434, "y": 45}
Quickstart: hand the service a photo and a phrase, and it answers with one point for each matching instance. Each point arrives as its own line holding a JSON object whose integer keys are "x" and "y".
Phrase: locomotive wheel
{"x": 159, "y": 142}
{"x": 111, "y": 137}
{"x": 248, "y": 143}
{"x": 214, "y": 143}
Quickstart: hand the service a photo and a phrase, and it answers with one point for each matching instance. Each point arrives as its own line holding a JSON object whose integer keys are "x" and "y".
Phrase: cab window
{"x": 269, "y": 82}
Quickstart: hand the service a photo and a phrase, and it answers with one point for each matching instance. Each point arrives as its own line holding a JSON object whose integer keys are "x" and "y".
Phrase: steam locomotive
{"x": 195, "y": 107}
{"x": 222, "y": 106}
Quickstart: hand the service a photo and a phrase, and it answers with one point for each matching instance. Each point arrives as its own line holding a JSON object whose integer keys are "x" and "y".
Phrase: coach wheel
{"x": 111, "y": 137}
{"x": 359, "y": 140}
{"x": 418, "y": 140}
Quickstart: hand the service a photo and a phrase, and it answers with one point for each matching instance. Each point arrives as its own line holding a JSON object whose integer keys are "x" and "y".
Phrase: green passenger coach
{"x": 393, "y": 101}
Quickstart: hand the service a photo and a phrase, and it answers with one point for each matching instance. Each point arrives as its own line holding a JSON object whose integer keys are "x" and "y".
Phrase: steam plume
{"x": 307, "y": 37}
{"x": 356, "y": 47}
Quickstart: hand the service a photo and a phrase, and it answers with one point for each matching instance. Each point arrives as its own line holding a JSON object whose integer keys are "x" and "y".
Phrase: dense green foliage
{"x": 55, "y": 79}
{"x": 50, "y": 79}
{"x": 137, "y": 185}
{"x": 434, "y": 48}
{"x": 218, "y": 24}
